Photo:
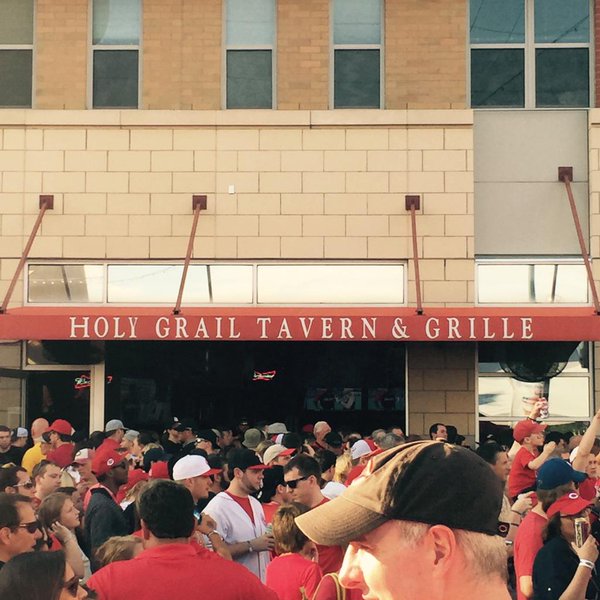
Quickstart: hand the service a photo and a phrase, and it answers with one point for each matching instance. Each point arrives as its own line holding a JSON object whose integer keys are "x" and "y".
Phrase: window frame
{"x": 333, "y": 47}
{"x": 529, "y": 47}
{"x": 107, "y": 47}
{"x": 33, "y": 48}
{"x": 271, "y": 47}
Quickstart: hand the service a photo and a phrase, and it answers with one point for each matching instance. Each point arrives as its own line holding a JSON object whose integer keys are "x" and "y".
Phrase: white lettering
{"x": 84, "y": 326}
{"x": 326, "y": 332}
{"x": 472, "y": 328}
{"x": 181, "y": 328}
{"x": 201, "y": 330}
{"x": 505, "y": 332}
{"x": 370, "y": 327}
{"x": 305, "y": 329}
{"x": 487, "y": 335}
{"x": 399, "y": 330}
{"x": 527, "y": 327}
{"x": 133, "y": 324}
{"x": 262, "y": 321}
{"x": 453, "y": 332}
{"x": 434, "y": 333}
{"x": 232, "y": 333}
{"x": 284, "y": 329}
{"x": 346, "y": 324}
{"x": 218, "y": 334}
{"x": 101, "y": 333}
{"x": 118, "y": 331}
{"x": 162, "y": 327}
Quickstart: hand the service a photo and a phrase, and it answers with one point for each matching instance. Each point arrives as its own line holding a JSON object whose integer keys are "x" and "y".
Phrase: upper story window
{"x": 530, "y": 53}
{"x": 357, "y": 53}
{"x": 249, "y": 53}
{"x": 16, "y": 53}
{"x": 115, "y": 53}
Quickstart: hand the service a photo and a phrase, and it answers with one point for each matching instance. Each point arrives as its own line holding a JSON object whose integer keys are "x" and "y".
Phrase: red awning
{"x": 301, "y": 323}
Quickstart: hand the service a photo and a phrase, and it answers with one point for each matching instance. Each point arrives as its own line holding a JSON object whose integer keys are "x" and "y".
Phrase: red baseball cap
{"x": 526, "y": 428}
{"x": 61, "y": 426}
{"x": 569, "y": 504}
{"x": 103, "y": 462}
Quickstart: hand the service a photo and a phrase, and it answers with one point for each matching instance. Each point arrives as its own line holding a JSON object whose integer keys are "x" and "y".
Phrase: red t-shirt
{"x": 287, "y": 574}
{"x": 330, "y": 557}
{"x": 245, "y": 504}
{"x": 197, "y": 573}
{"x": 270, "y": 508}
{"x": 62, "y": 456}
{"x": 521, "y": 476}
{"x": 527, "y": 544}
{"x": 587, "y": 488}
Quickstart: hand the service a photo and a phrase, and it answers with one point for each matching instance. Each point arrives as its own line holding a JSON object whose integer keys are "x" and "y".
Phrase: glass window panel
{"x": 16, "y": 21}
{"x": 250, "y": 22}
{"x": 357, "y": 22}
{"x": 231, "y": 283}
{"x": 560, "y": 21}
{"x": 15, "y": 78}
{"x": 249, "y": 79}
{"x": 568, "y": 397}
{"x": 357, "y": 79}
{"x": 115, "y": 79}
{"x": 335, "y": 284}
{"x": 562, "y": 77}
{"x": 116, "y": 22}
{"x": 66, "y": 283}
{"x": 497, "y": 78}
{"x": 497, "y": 22}
{"x": 503, "y": 283}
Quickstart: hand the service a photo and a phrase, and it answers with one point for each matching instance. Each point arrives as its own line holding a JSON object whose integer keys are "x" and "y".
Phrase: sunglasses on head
{"x": 293, "y": 484}
{"x": 31, "y": 527}
{"x": 72, "y": 586}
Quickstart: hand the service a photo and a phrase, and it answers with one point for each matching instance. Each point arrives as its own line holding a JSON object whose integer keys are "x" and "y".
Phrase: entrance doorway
{"x": 352, "y": 385}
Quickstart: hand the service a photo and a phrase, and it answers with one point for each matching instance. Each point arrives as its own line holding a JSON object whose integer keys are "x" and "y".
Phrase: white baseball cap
{"x": 192, "y": 465}
{"x": 272, "y": 452}
{"x": 360, "y": 448}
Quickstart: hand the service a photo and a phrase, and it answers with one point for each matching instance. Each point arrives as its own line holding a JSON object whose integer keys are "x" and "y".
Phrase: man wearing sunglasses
{"x": 19, "y": 529}
{"x": 16, "y": 480}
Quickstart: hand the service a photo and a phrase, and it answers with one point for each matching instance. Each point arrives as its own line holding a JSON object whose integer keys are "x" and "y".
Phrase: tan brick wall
{"x": 425, "y": 54}
{"x": 181, "y": 54}
{"x": 10, "y": 387}
{"x": 441, "y": 386}
{"x": 303, "y": 54}
{"x": 61, "y": 53}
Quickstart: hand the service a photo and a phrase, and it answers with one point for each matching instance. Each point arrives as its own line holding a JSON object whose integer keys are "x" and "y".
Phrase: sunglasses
{"x": 293, "y": 484}
{"x": 28, "y": 485}
{"x": 72, "y": 586}
{"x": 31, "y": 527}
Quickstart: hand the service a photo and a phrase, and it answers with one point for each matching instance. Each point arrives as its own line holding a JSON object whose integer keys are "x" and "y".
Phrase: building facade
{"x": 305, "y": 124}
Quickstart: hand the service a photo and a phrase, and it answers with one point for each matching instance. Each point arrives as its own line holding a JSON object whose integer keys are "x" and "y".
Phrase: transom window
{"x": 530, "y": 53}
{"x": 357, "y": 50}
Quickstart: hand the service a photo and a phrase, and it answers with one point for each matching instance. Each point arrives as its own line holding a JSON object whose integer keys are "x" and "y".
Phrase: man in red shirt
{"x": 167, "y": 517}
{"x": 115, "y": 432}
{"x": 530, "y": 434}
{"x": 303, "y": 477}
{"x": 584, "y": 460}
{"x": 62, "y": 448}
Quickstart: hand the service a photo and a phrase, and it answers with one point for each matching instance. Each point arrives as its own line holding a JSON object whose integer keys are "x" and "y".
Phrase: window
{"x": 357, "y": 48}
{"x": 115, "y": 53}
{"x": 530, "y": 53}
{"x": 249, "y": 56}
{"x": 16, "y": 53}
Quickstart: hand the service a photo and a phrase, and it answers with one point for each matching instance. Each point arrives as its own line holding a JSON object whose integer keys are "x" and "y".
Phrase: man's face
{"x": 54, "y": 438}
{"x": 25, "y": 486}
{"x": 199, "y": 487}
{"x": 20, "y": 539}
{"x": 502, "y": 466}
{"x": 4, "y": 440}
{"x": 537, "y": 439}
{"x": 282, "y": 460}
{"x": 127, "y": 445}
{"x": 49, "y": 482}
{"x": 174, "y": 435}
{"x": 441, "y": 433}
{"x": 187, "y": 435}
{"x": 591, "y": 468}
{"x": 227, "y": 438}
{"x": 20, "y": 442}
{"x": 302, "y": 492}
{"x": 398, "y": 431}
{"x": 373, "y": 565}
{"x": 252, "y": 480}
{"x": 205, "y": 445}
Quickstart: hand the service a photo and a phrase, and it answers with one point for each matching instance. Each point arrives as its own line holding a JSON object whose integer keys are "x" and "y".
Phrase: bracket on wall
{"x": 199, "y": 202}
{"x": 412, "y": 203}
{"x": 46, "y": 203}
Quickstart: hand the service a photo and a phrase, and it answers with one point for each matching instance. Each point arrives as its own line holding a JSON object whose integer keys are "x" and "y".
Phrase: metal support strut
{"x": 565, "y": 174}
{"x": 413, "y": 203}
{"x": 198, "y": 204}
{"x": 46, "y": 203}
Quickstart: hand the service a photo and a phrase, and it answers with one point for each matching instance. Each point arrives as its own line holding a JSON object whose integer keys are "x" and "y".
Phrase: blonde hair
{"x": 288, "y": 537}
{"x": 262, "y": 446}
{"x": 343, "y": 464}
{"x": 117, "y": 548}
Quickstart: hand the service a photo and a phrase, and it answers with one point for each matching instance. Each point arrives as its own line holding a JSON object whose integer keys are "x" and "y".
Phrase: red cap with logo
{"x": 526, "y": 428}
{"x": 61, "y": 426}
{"x": 569, "y": 504}
{"x": 103, "y": 462}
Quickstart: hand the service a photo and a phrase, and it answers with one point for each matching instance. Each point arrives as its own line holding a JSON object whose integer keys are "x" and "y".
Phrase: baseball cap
{"x": 526, "y": 428}
{"x": 360, "y": 448}
{"x": 243, "y": 459}
{"x": 175, "y": 424}
{"x": 569, "y": 504}
{"x": 427, "y": 481}
{"x": 113, "y": 425}
{"x": 103, "y": 462}
{"x": 189, "y": 424}
{"x": 275, "y": 428}
{"x": 252, "y": 438}
{"x": 192, "y": 466}
{"x": 291, "y": 440}
{"x": 208, "y": 435}
{"x": 159, "y": 470}
{"x": 21, "y": 432}
{"x": 131, "y": 434}
{"x": 61, "y": 426}
{"x": 334, "y": 439}
{"x": 555, "y": 472}
{"x": 84, "y": 455}
{"x": 272, "y": 452}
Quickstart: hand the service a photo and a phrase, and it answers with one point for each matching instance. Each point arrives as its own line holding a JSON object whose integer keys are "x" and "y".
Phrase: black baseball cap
{"x": 334, "y": 439}
{"x": 242, "y": 458}
{"x": 427, "y": 482}
{"x": 189, "y": 424}
{"x": 208, "y": 435}
{"x": 175, "y": 424}
{"x": 291, "y": 440}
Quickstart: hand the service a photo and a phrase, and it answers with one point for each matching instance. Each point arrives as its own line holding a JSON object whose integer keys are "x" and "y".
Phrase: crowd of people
{"x": 266, "y": 513}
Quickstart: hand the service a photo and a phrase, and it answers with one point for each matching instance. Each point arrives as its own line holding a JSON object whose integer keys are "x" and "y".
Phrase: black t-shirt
{"x": 554, "y": 568}
{"x": 12, "y": 455}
